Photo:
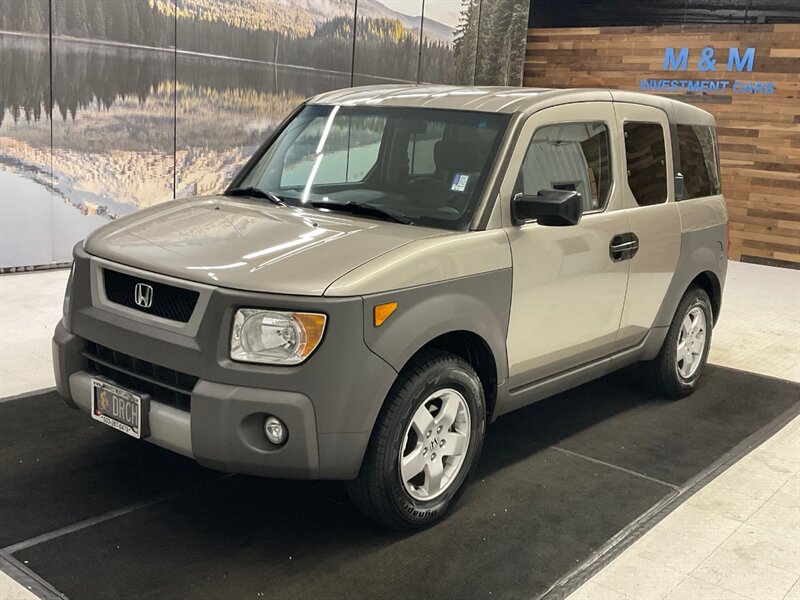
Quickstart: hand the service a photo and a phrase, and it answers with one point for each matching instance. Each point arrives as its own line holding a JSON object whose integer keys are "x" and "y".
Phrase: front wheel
{"x": 680, "y": 363}
{"x": 425, "y": 443}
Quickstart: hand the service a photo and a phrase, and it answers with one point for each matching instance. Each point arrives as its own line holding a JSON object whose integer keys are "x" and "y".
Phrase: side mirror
{"x": 548, "y": 207}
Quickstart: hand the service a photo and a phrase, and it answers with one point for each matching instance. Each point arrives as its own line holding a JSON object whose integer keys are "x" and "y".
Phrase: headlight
{"x": 275, "y": 337}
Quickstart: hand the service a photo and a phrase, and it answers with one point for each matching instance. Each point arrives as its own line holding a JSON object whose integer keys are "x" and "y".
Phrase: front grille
{"x": 160, "y": 383}
{"x": 168, "y": 301}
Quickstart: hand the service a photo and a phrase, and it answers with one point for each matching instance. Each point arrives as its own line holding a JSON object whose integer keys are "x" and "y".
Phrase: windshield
{"x": 410, "y": 165}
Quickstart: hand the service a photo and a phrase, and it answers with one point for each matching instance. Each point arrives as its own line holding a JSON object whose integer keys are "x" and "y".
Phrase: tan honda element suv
{"x": 395, "y": 268}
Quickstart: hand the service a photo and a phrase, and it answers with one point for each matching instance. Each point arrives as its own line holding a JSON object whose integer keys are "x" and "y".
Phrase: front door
{"x": 569, "y": 282}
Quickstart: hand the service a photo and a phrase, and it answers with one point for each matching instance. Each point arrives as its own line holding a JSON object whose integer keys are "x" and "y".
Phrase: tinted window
{"x": 698, "y": 161}
{"x": 645, "y": 154}
{"x": 569, "y": 156}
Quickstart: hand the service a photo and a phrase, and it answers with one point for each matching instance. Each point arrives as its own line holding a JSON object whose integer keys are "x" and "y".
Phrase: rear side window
{"x": 569, "y": 156}
{"x": 698, "y": 161}
{"x": 646, "y": 155}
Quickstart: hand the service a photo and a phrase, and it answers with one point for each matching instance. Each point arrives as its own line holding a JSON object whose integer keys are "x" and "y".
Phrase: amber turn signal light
{"x": 313, "y": 327}
{"x": 382, "y": 312}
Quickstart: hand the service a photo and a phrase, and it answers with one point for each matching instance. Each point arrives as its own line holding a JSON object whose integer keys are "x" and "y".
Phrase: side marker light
{"x": 382, "y": 312}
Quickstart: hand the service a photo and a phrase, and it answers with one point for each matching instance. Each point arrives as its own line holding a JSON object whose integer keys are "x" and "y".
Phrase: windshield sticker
{"x": 459, "y": 182}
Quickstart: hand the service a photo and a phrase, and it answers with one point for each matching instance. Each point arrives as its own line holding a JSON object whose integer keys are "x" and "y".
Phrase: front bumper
{"x": 224, "y": 428}
{"x": 329, "y": 403}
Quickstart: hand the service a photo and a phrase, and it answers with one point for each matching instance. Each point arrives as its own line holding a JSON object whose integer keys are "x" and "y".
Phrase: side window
{"x": 698, "y": 161}
{"x": 351, "y": 150}
{"x": 645, "y": 153}
{"x": 569, "y": 156}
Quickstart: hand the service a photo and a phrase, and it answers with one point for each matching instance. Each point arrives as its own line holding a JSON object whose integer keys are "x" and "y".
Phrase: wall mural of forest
{"x": 107, "y": 106}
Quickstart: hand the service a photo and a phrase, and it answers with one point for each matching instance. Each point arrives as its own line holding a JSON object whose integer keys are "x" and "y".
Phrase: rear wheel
{"x": 425, "y": 443}
{"x": 680, "y": 363}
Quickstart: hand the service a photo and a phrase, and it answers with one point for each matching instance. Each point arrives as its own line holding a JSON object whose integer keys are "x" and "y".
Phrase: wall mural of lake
{"x": 107, "y": 106}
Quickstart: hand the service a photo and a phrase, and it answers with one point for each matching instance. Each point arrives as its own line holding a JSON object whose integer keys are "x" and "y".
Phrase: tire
{"x": 422, "y": 400}
{"x": 669, "y": 375}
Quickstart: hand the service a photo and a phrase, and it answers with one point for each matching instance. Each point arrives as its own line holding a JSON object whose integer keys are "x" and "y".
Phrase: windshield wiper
{"x": 366, "y": 210}
{"x": 255, "y": 192}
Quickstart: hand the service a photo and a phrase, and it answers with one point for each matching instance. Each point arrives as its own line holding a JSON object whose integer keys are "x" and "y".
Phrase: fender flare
{"x": 695, "y": 260}
{"x": 479, "y": 305}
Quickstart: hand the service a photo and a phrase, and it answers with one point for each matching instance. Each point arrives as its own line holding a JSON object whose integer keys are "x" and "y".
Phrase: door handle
{"x": 623, "y": 246}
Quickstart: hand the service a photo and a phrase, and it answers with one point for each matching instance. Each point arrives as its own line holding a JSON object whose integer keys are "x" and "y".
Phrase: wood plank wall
{"x": 759, "y": 135}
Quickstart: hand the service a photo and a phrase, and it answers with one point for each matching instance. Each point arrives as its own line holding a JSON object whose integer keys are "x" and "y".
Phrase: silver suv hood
{"x": 248, "y": 245}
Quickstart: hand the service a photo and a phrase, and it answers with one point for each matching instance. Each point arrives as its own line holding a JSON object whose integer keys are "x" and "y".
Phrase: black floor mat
{"x": 59, "y": 466}
{"x": 531, "y": 515}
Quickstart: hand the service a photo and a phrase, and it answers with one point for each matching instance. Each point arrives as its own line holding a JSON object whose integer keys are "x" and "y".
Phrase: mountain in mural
{"x": 133, "y": 102}
{"x": 301, "y": 17}
{"x": 271, "y": 15}
{"x": 432, "y": 29}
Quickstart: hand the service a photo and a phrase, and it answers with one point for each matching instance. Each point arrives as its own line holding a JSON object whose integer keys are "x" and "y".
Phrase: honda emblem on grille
{"x": 143, "y": 295}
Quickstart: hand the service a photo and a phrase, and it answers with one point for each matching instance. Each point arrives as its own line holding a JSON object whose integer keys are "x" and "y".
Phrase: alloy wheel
{"x": 691, "y": 342}
{"x": 435, "y": 445}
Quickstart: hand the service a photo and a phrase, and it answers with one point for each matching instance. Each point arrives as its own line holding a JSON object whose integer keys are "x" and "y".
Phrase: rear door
{"x": 648, "y": 196}
{"x": 568, "y": 288}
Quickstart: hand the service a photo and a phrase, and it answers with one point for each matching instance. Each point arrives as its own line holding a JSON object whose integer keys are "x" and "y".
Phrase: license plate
{"x": 118, "y": 408}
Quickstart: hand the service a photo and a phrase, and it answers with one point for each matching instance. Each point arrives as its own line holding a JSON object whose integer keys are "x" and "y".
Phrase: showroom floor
{"x": 737, "y": 536}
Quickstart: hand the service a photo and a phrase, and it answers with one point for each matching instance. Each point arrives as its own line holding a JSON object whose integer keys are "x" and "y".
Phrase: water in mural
{"x": 153, "y": 99}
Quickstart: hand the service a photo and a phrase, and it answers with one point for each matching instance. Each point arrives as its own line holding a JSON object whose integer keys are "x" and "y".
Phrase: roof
{"x": 484, "y": 99}
{"x": 492, "y": 99}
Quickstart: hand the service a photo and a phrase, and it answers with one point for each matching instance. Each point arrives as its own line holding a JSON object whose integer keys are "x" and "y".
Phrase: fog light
{"x": 275, "y": 430}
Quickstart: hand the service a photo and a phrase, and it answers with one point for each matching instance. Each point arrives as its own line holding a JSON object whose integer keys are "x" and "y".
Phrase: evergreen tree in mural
{"x": 466, "y": 42}
{"x": 505, "y": 42}
{"x": 76, "y": 17}
{"x": 490, "y": 42}
{"x": 30, "y": 16}
{"x": 488, "y": 47}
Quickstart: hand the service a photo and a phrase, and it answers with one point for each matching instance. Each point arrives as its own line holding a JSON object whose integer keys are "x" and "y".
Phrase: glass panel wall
{"x": 156, "y": 99}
